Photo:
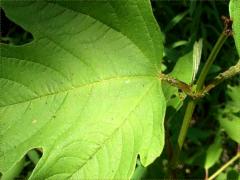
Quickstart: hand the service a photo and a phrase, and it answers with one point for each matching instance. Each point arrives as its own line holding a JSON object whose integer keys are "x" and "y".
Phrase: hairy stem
{"x": 177, "y": 83}
{"x": 237, "y": 156}
{"x": 210, "y": 60}
{"x": 232, "y": 71}
{"x": 188, "y": 90}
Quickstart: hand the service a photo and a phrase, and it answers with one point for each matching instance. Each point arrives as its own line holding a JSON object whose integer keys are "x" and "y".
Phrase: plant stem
{"x": 206, "y": 174}
{"x": 33, "y": 156}
{"x": 232, "y": 71}
{"x": 224, "y": 166}
{"x": 192, "y": 103}
{"x": 186, "y": 121}
{"x": 188, "y": 90}
{"x": 176, "y": 83}
{"x": 223, "y": 37}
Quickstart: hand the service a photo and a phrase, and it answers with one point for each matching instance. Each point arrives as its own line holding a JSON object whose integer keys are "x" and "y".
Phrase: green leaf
{"x": 231, "y": 127}
{"x": 234, "y": 9}
{"x": 213, "y": 152}
{"x": 186, "y": 67}
{"x": 229, "y": 174}
{"x": 176, "y": 20}
{"x": 221, "y": 176}
{"x": 15, "y": 171}
{"x": 233, "y": 174}
{"x": 197, "y": 53}
{"x": 86, "y": 90}
{"x": 233, "y": 92}
{"x": 185, "y": 70}
{"x": 229, "y": 117}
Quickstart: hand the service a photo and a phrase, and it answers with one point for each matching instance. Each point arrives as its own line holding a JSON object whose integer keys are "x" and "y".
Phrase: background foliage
{"x": 207, "y": 145}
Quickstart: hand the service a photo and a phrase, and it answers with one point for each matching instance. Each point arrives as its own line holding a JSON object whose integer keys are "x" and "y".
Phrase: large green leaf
{"x": 234, "y": 9}
{"x": 86, "y": 90}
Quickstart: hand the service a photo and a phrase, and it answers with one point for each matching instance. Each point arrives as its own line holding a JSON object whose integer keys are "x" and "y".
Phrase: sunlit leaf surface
{"x": 86, "y": 90}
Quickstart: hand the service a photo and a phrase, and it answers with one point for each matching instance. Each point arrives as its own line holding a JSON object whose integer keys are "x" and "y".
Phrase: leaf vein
{"x": 84, "y": 85}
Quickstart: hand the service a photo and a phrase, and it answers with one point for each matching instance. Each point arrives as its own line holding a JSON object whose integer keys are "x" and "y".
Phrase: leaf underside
{"x": 86, "y": 90}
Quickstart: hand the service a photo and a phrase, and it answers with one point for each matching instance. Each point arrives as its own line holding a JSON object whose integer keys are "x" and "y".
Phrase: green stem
{"x": 206, "y": 174}
{"x": 224, "y": 166}
{"x": 186, "y": 121}
{"x": 188, "y": 89}
{"x": 232, "y": 71}
{"x": 33, "y": 156}
{"x": 210, "y": 60}
{"x": 192, "y": 103}
{"x": 176, "y": 83}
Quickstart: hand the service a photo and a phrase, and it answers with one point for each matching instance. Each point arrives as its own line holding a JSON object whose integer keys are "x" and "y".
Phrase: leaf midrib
{"x": 140, "y": 77}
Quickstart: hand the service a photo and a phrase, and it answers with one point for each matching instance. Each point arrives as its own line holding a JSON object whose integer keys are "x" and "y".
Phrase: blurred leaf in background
{"x": 229, "y": 116}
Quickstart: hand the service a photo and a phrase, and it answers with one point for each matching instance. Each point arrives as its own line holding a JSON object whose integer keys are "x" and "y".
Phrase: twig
{"x": 206, "y": 174}
{"x": 224, "y": 166}
{"x": 188, "y": 90}
{"x": 177, "y": 83}
{"x": 223, "y": 37}
{"x": 232, "y": 71}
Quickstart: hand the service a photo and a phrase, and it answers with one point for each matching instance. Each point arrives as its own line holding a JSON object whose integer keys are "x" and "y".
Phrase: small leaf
{"x": 233, "y": 92}
{"x": 197, "y": 53}
{"x": 187, "y": 66}
{"x": 213, "y": 152}
{"x": 176, "y": 20}
{"x": 232, "y": 127}
{"x": 233, "y": 175}
{"x": 183, "y": 70}
{"x": 229, "y": 117}
{"x": 222, "y": 176}
{"x": 229, "y": 174}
